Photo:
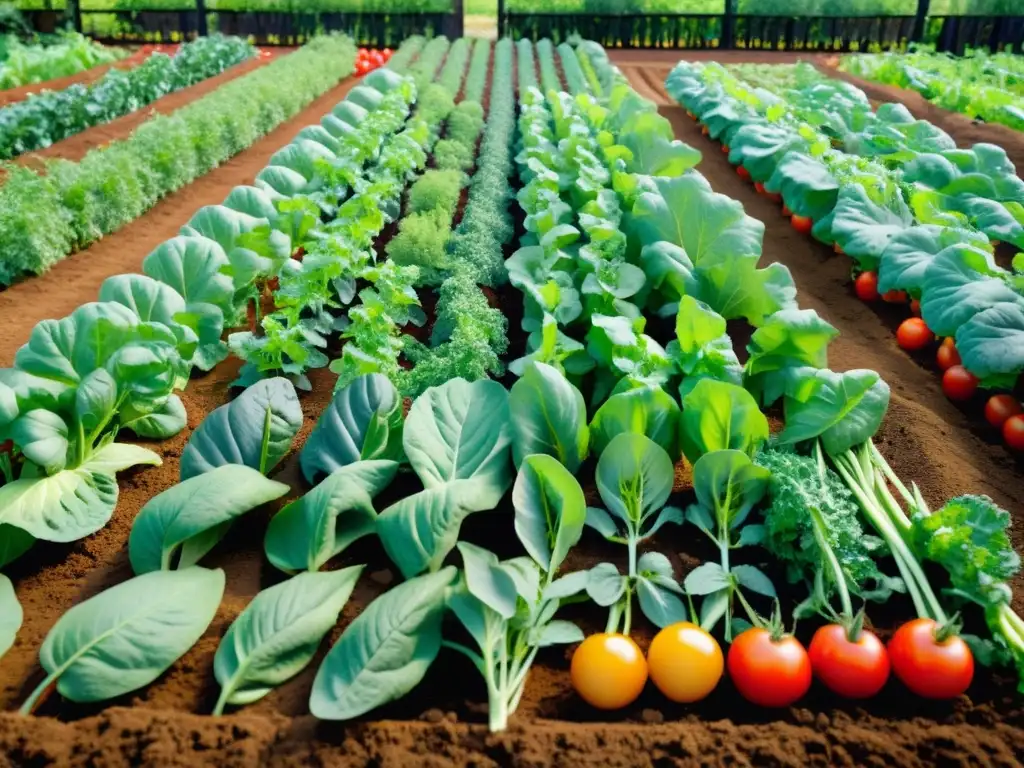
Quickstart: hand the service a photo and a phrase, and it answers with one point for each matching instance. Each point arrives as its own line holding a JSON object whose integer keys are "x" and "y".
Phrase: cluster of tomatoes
{"x": 367, "y": 60}
{"x": 1003, "y": 411}
{"x": 770, "y": 668}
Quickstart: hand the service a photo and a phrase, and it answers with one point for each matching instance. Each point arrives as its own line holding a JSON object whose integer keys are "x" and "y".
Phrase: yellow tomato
{"x": 685, "y": 662}
{"x": 608, "y": 671}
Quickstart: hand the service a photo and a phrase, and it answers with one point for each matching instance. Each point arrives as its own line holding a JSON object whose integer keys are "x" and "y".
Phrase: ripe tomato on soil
{"x": 913, "y": 334}
{"x": 895, "y": 297}
{"x": 959, "y": 384}
{"x": 1013, "y": 432}
{"x": 608, "y": 671}
{"x": 854, "y": 669}
{"x": 930, "y": 665}
{"x": 947, "y": 356}
{"x": 769, "y": 672}
{"x": 802, "y": 224}
{"x": 866, "y": 286}
{"x": 685, "y": 662}
{"x": 743, "y": 173}
{"x": 999, "y": 408}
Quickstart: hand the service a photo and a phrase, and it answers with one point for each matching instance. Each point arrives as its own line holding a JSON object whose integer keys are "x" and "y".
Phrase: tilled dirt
{"x": 441, "y": 723}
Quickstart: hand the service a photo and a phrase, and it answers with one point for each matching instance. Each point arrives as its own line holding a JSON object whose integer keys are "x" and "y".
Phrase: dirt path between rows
{"x": 11, "y": 95}
{"x": 75, "y": 147}
{"x": 77, "y": 279}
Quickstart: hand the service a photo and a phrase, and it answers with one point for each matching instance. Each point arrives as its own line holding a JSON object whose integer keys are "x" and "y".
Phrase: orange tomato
{"x": 608, "y": 671}
{"x": 685, "y": 662}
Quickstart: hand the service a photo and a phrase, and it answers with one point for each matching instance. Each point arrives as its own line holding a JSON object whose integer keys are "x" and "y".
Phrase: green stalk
{"x": 41, "y": 689}
{"x": 838, "y": 576}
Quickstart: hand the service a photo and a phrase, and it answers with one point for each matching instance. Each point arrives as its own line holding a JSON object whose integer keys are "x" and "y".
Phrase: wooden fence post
{"x": 923, "y": 6}
{"x": 201, "y": 20}
{"x": 76, "y": 15}
{"x": 728, "y": 25}
{"x": 456, "y": 20}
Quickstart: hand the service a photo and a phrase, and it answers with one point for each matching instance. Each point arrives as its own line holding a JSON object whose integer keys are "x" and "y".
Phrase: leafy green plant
{"x": 278, "y": 633}
{"x": 435, "y": 191}
{"x": 11, "y": 615}
{"x": 126, "y": 636}
{"x": 550, "y": 418}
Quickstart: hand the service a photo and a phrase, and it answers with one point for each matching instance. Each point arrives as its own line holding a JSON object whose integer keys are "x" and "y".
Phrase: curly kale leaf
{"x": 969, "y": 538}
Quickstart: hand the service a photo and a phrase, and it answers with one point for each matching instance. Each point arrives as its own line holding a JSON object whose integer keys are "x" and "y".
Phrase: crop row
{"x": 913, "y": 212}
{"x": 51, "y": 116}
{"x": 24, "y": 64}
{"x": 46, "y": 216}
{"x": 624, "y": 245}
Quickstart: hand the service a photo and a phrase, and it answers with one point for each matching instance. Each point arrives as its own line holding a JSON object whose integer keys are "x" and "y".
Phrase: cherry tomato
{"x": 725, "y": 149}
{"x": 802, "y": 224}
{"x": 387, "y": 53}
{"x": 947, "y": 356}
{"x": 377, "y": 58}
{"x": 895, "y": 297}
{"x": 866, "y": 286}
{"x": 685, "y": 662}
{"x": 362, "y": 67}
{"x": 704, "y": 130}
{"x": 930, "y": 668}
{"x": 958, "y": 383}
{"x": 608, "y": 671}
{"x": 913, "y": 334}
{"x": 759, "y": 188}
{"x": 1013, "y": 432}
{"x": 743, "y": 173}
{"x": 856, "y": 670}
{"x": 1001, "y": 407}
{"x": 915, "y": 307}
{"x": 785, "y": 211}
{"x": 771, "y": 673}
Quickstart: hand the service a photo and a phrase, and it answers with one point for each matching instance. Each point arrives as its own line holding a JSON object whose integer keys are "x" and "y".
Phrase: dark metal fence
{"x": 263, "y": 27}
{"x": 731, "y": 30}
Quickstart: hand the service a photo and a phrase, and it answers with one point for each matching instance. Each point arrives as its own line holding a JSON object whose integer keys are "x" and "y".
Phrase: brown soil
{"x": 75, "y": 147}
{"x": 441, "y": 724}
{"x": 84, "y": 77}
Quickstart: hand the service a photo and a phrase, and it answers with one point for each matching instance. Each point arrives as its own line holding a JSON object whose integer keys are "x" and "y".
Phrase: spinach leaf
{"x": 11, "y": 615}
{"x": 719, "y": 415}
{"x": 128, "y": 635}
{"x": 255, "y": 429}
{"x": 194, "y": 515}
{"x": 550, "y": 510}
{"x": 550, "y": 417}
{"x": 843, "y": 409}
{"x": 642, "y": 410}
{"x": 14, "y": 542}
{"x": 278, "y": 633}
{"x": 310, "y": 531}
{"x": 385, "y": 651}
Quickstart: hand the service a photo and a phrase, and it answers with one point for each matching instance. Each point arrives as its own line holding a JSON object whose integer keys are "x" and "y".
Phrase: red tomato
{"x": 608, "y": 671}
{"x": 377, "y": 58}
{"x": 802, "y": 224}
{"x": 866, "y": 286}
{"x": 915, "y": 307}
{"x": 759, "y": 188}
{"x": 387, "y": 53}
{"x": 743, "y": 173}
{"x": 947, "y": 356}
{"x": 1013, "y": 432}
{"x": 725, "y": 149}
{"x": 786, "y": 211}
{"x": 913, "y": 334}
{"x": 767, "y": 672}
{"x": 1001, "y": 407}
{"x": 895, "y": 297}
{"x": 931, "y": 668}
{"x": 958, "y": 383}
{"x": 856, "y": 670}
{"x": 362, "y": 67}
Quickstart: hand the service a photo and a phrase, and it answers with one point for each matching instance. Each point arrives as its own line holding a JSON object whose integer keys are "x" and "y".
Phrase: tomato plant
{"x": 895, "y": 297}
{"x": 856, "y": 669}
{"x": 958, "y": 383}
{"x": 999, "y": 408}
{"x": 947, "y": 356}
{"x": 931, "y": 660}
{"x": 1013, "y": 432}
{"x": 866, "y": 286}
{"x": 913, "y": 334}
{"x": 608, "y": 670}
{"x": 685, "y": 662}
{"x": 802, "y": 224}
{"x": 769, "y": 669}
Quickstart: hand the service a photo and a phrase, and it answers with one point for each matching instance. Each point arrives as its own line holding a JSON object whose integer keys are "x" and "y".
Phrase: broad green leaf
{"x": 385, "y": 651}
{"x": 255, "y": 429}
{"x": 843, "y": 409}
{"x": 669, "y": 268}
{"x": 806, "y": 185}
{"x": 126, "y": 636}
{"x": 734, "y": 287}
{"x": 686, "y": 211}
{"x": 74, "y": 502}
{"x": 14, "y": 542}
{"x": 706, "y": 579}
{"x": 222, "y": 225}
{"x": 550, "y": 417}
{"x": 761, "y": 146}
{"x": 960, "y": 282}
{"x": 718, "y": 415}
{"x": 605, "y": 585}
{"x": 11, "y": 615}
{"x": 754, "y": 579}
{"x": 363, "y": 421}
{"x": 991, "y": 344}
{"x": 660, "y": 605}
{"x": 550, "y": 510}
{"x": 905, "y": 261}
{"x": 788, "y": 340}
{"x": 643, "y": 410}
{"x": 559, "y": 632}
{"x": 487, "y": 581}
{"x": 166, "y": 421}
{"x": 147, "y": 297}
{"x": 728, "y": 484}
{"x": 459, "y": 431}
{"x": 654, "y": 155}
{"x": 311, "y": 530}
{"x": 863, "y": 228}
{"x": 43, "y": 437}
{"x": 194, "y": 515}
{"x": 634, "y": 477}
{"x": 252, "y": 201}
{"x": 192, "y": 267}
{"x": 96, "y": 403}
{"x": 278, "y": 633}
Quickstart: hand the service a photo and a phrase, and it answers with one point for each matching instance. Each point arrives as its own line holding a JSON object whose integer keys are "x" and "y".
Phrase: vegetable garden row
{"x": 557, "y": 361}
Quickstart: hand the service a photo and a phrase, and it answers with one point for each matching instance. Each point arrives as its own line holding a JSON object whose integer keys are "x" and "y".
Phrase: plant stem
{"x": 222, "y": 701}
{"x": 39, "y": 693}
{"x": 627, "y": 622}
{"x": 838, "y": 576}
